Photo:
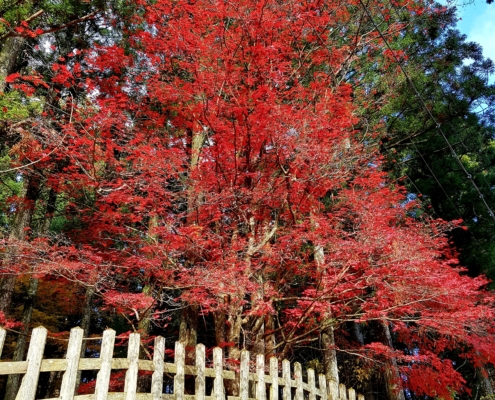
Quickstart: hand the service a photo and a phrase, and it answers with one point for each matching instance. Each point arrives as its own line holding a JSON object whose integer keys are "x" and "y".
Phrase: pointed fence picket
{"x": 252, "y": 385}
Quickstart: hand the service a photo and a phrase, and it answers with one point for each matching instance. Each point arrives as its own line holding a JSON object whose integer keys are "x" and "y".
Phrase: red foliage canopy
{"x": 220, "y": 158}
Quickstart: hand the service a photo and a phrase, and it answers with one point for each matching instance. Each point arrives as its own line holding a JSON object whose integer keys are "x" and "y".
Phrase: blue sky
{"x": 478, "y": 23}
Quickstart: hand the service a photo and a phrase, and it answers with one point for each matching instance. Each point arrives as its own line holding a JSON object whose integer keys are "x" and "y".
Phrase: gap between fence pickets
{"x": 35, "y": 364}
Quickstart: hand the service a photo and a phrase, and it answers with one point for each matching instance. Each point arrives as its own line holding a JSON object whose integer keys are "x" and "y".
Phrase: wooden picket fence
{"x": 258, "y": 384}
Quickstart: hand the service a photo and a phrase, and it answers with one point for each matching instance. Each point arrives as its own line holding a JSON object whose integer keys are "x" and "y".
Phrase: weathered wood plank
{"x": 274, "y": 378}
{"x": 333, "y": 390}
{"x": 351, "y": 394}
{"x": 200, "y": 387}
{"x": 286, "y": 391}
{"x": 326, "y": 390}
{"x": 322, "y": 381}
{"x": 106, "y": 354}
{"x": 342, "y": 392}
{"x": 29, "y": 383}
{"x": 158, "y": 363}
{"x": 145, "y": 396}
{"x": 311, "y": 384}
{"x": 69, "y": 380}
{"x": 3, "y": 333}
{"x": 131, "y": 376}
{"x": 260, "y": 372}
{"x": 179, "y": 379}
{"x": 87, "y": 364}
{"x": 244, "y": 376}
{"x": 218, "y": 391}
{"x": 299, "y": 381}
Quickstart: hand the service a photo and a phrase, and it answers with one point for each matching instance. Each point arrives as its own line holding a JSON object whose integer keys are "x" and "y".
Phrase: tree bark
{"x": 330, "y": 363}
{"x": 484, "y": 382}
{"x": 8, "y": 58}
{"x": 270, "y": 339}
{"x": 392, "y": 375}
{"x": 188, "y": 330}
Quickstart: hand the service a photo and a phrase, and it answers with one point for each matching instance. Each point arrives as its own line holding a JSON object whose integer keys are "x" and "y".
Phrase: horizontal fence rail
{"x": 259, "y": 385}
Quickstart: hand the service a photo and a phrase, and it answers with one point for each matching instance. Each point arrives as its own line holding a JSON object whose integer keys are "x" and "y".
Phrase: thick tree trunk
{"x": 8, "y": 57}
{"x": 330, "y": 363}
{"x": 392, "y": 375}
{"x": 188, "y": 330}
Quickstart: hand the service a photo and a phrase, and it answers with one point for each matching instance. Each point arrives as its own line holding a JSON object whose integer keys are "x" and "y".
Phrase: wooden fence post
{"x": 2, "y": 339}
{"x": 131, "y": 376}
{"x": 158, "y": 363}
{"x": 299, "y": 382}
{"x": 342, "y": 392}
{"x": 322, "y": 381}
{"x": 69, "y": 381}
{"x": 274, "y": 376}
{"x": 218, "y": 393}
{"x": 244, "y": 376}
{"x": 29, "y": 383}
{"x": 333, "y": 390}
{"x": 260, "y": 372}
{"x": 312, "y": 384}
{"x": 286, "y": 393}
{"x": 351, "y": 394}
{"x": 106, "y": 354}
{"x": 179, "y": 380}
{"x": 200, "y": 388}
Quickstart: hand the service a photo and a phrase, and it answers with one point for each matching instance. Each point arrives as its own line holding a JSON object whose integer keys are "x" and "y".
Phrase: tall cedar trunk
{"x": 330, "y": 363}
{"x": 392, "y": 375}
{"x": 21, "y": 223}
{"x": 367, "y": 391}
{"x": 8, "y": 58}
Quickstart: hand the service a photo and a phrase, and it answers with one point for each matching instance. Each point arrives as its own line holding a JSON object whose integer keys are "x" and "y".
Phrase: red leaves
{"x": 32, "y": 82}
{"x": 219, "y": 157}
{"x": 128, "y": 303}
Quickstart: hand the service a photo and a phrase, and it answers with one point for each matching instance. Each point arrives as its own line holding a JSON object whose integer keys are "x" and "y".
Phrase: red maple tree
{"x": 216, "y": 158}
